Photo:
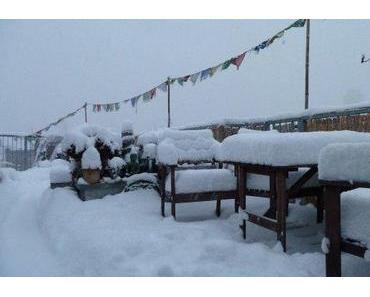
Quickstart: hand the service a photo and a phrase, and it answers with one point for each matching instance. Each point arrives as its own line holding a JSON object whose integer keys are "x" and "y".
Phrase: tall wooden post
{"x": 307, "y": 64}
{"x": 85, "y": 108}
{"x": 169, "y": 102}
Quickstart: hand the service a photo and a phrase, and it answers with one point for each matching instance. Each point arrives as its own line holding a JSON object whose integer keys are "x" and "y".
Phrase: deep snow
{"x": 52, "y": 232}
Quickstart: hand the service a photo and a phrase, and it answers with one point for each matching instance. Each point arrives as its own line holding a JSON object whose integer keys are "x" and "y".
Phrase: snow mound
{"x": 150, "y": 151}
{"x": 60, "y": 172}
{"x": 345, "y": 162}
{"x": 91, "y": 159}
{"x": 116, "y": 163}
{"x": 355, "y": 218}
{"x": 283, "y": 149}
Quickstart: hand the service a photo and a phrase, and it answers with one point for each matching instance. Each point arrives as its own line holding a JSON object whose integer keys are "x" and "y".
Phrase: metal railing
{"x": 17, "y": 151}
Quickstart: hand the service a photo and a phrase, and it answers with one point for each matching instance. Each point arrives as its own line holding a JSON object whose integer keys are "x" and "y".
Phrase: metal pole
{"x": 306, "y": 97}
{"x": 169, "y": 102}
{"x": 85, "y": 107}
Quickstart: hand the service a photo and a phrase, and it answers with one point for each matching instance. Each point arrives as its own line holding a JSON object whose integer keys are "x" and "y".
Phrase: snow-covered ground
{"x": 51, "y": 232}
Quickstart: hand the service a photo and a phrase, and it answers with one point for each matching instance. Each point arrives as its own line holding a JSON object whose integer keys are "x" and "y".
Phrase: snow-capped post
{"x": 307, "y": 64}
{"x": 169, "y": 102}
{"x": 85, "y": 108}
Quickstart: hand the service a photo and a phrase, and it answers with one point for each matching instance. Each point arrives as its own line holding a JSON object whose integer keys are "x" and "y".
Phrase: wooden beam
{"x": 332, "y": 230}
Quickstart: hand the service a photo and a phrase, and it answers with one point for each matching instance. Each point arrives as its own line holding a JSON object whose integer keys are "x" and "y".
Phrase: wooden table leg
{"x": 237, "y": 198}
{"x": 332, "y": 230}
{"x": 242, "y": 186}
{"x": 281, "y": 199}
{"x": 271, "y": 212}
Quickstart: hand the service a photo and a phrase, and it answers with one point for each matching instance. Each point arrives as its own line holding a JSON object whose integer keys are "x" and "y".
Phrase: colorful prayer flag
{"x": 116, "y": 106}
{"x": 226, "y": 64}
{"x": 194, "y": 77}
{"x": 153, "y": 92}
{"x": 205, "y": 73}
{"x": 163, "y": 87}
{"x": 237, "y": 61}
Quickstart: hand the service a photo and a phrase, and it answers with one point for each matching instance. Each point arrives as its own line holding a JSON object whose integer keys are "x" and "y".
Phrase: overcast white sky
{"x": 49, "y": 68}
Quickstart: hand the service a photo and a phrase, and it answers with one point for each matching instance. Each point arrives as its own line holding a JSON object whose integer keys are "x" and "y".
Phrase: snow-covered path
{"x": 23, "y": 249}
{"x": 52, "y": 232}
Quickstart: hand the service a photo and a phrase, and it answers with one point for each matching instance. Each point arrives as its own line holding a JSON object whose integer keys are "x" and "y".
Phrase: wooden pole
{"x": 306, "y": 97}
{"x": 169, "y": 102}
{"x": 85, "y": 108}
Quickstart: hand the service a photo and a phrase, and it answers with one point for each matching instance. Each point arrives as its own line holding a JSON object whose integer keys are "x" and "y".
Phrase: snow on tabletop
{"x": 116, "y": 163}
{"x": 91, "y": 159}
{"x": 283, "y": 149}
{"x": 355, "y": 215}
{"x": 345, "y": 162}
{"x": 79, "y": 140}
{"x": 202, "y": 180}
{"x": 179, "y": 146}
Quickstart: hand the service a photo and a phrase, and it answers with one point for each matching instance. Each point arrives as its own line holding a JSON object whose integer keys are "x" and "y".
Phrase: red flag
{"x": 153, "y": 93}
{"x": 238, "y": 60}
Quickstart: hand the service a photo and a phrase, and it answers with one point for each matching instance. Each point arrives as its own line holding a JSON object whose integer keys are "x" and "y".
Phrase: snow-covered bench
{"x": 188, "y": 171}
{"x": 342, "y": 169}
{"x": 280, "y": 157}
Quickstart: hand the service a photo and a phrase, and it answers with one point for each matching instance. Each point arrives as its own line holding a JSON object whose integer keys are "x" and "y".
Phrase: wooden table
{"x": 275, "y": 217}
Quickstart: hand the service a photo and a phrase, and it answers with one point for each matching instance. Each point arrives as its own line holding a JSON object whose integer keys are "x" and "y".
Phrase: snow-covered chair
{"x": 343, "y": 170}
{"x": 188, "y": 170}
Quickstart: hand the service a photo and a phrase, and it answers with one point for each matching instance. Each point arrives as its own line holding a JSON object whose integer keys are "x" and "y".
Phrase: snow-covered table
{"x": 278, "y": 155}
{"x": 182, "y": 157}
{"x": 344, "y": 167}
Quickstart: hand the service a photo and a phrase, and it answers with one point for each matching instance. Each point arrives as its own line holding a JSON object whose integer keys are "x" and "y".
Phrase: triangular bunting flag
{"x": 237, "y": 61}
{"x": 194, "y": 77}
{"x": 116, "y": 106}
{"x": 214, "y": 70}
{"x": 146, "y": 97}
{"x": 226, "y": 64}
{"x": 205, "y": 73}
{"x": 163, "y": 87}
{"x": 153, "y": 92}
{"x": 134, "y": 101}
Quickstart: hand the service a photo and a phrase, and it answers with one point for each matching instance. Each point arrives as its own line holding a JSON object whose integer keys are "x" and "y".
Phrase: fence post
{"x": 25, "y": 153}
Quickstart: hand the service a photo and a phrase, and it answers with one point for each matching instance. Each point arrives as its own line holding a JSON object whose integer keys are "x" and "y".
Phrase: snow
{"x": 355, "y": 215}
{"x": 85, "y": 136}
{"x": 46, "y": 232}
{"x": 127, "y": 127}
{"x": 91, "y": 159}
{"x": 150, "y": 151}
{"x": 182, "y": 146}
{"x": 245, "y": 130}
{"x": 345, "y": 162}
{"x": 202, "y": 180}
{"x": 116, "y": 163}
{"x": 325, "y": 245}
{"x": 150, "y": 177}
{"x": 283, "y": 149}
